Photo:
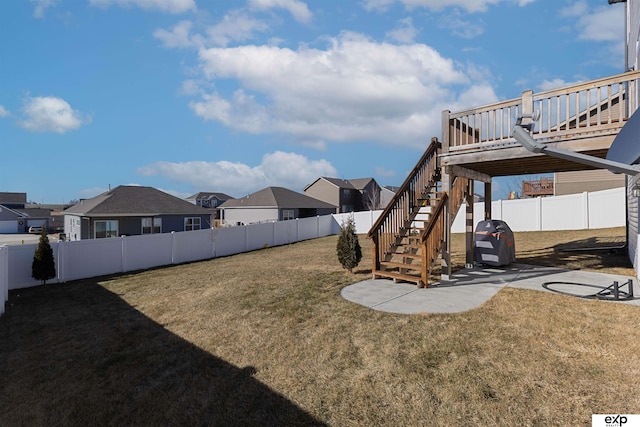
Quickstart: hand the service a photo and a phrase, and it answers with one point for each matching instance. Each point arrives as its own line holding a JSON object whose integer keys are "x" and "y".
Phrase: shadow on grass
{"x": 78, "y": 354}
{"x": 591, "y": 253}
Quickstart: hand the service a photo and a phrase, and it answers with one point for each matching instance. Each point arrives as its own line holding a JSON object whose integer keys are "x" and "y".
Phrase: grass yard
{"x": 264, "y": 338}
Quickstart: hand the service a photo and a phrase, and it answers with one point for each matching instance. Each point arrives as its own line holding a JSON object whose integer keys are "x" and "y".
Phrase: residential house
{"x": 132, "y": 210}
{"x": 387, "y": 193}
{"x": 209, "y": 201}
{"x": 11, "y": 221}
{"x": 13, "y": 200}
{"x": 272, "y": 204}
{"x": 369, "y": 193}
{"x": 16, "y": 215}
{"x": 346, "y": 195}
{"x": 589, "y": 180}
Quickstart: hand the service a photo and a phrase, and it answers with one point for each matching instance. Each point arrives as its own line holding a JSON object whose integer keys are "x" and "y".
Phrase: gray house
{"x": 346, "y": 195}
{"x": 12, "y": 221}
{"x": 272, "y": 204}
{"x": 132, "y": 210}
{"x": 209, "y": 201}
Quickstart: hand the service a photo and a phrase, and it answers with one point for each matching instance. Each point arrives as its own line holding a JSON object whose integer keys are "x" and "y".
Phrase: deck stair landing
{"x": 409, "y": 234}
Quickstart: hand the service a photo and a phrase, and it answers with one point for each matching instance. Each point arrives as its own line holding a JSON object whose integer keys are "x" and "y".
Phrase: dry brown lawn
{"x": 264, "y": 338}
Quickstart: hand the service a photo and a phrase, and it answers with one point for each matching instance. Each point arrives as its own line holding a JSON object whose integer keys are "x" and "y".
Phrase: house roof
{"x": 340, "y": 183}
{"x": 129, "y": 200}
{"x": 15, "y": 212}
{"x": 277, "y": 197}
{"x": 13, "y": 198}
{"x": 35, "y": 212}
{"x": 205, "y": 195}
{"x": 360, "y": 183}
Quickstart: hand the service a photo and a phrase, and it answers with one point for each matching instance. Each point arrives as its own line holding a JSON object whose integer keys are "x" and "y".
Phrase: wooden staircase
{"x": 409, "y": 234}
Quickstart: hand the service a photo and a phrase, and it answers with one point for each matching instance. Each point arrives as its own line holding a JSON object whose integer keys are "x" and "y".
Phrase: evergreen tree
{"x": 348, "y": 247}
{"x": 43, "y": 266}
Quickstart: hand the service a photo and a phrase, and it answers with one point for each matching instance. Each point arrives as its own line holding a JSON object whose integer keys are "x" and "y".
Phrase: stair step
{"x": 410, "y": 245}
{"x": 392, "y": 264}
{"x": 412, "y": 256}
{"x": 399, "y": 276}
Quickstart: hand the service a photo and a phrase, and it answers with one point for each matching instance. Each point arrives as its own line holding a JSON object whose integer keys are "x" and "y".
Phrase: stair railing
{"x": 400, "y": 211}
{"x": 433, "y": 235}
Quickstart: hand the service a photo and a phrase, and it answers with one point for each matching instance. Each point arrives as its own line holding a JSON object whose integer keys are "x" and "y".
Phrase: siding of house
{"x": 589, "y": 180}
{"x": 325, "y": 191}
{"x": 247, "y": 215}
{"x": 633, "y": 35}
{"x": 633, "y": 63}
{"x": 632, "y": 224}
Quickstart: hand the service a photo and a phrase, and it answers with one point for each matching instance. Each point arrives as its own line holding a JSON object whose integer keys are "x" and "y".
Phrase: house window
{"x": 347, "y": 208}
{"x": 104, "y": 229}
{"x": 346, "y": 193}
{"x": 192, "y": 223}
{"x": 288, "y": 214}
{"x": 151, "y": 225}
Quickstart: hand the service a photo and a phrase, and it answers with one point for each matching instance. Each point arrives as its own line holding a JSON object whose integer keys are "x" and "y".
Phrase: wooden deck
{"x": 415, "y": 227}
{"x": 584, "y": 117}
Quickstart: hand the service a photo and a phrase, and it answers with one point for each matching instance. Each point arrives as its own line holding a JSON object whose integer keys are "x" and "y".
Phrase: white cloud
{"x": 298, "y": 9}
{"x": 282, "y": 169}
{"x": 578, "y": 8}
{"x": 470, "y": 6}
{"x": 354, "y": 90}
{"x": 556, "y": 83}
{"x": 235, "y": 26}
{"x": 405, "y": 33}
{"x": 178, "y": 37}
{"x": 602, "y": 24}
{"x": 455, "y": 24}
{"x": 168, "y": 6}
{"x": 51, "y": 114}
{"x": 41, "y": 6}
{"x": 4, "y": 112}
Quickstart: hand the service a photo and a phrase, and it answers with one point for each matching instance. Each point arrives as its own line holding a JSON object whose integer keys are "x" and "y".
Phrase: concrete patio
{"x": 470, "y": 288}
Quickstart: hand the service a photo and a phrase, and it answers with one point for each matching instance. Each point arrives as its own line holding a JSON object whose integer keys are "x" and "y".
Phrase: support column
{"x": 487, "y": 200}
{"x": 447, "y": 180}
{"x": 469, "y": 224}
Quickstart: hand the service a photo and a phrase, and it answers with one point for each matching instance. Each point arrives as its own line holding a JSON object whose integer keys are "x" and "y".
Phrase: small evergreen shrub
{"x": 43, "y": 266}
{"x": 348, "y": 247}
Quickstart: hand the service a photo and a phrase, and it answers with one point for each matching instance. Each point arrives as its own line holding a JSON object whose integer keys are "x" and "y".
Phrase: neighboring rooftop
{"x": 131, "y": 200}
{"x": 205, "y": 195}
{"x": 12, "y": 199}
{"x": 277, "y": 197}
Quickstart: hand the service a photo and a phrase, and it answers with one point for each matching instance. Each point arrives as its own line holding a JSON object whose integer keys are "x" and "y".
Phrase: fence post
{"x": 539, "y": 219}
{"x": 173, "y": 247}
{"x": 123, "y": 254}
{"x": 60, "y": 262}
{"x": 4, "y": 276}
{"x": 585, "y": 207}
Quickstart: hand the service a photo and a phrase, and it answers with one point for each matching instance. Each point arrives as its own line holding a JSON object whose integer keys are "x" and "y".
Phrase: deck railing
{"x": 402, "y": 208}
{"x": 582, "y": 110}
{"x": 538, "y": 187}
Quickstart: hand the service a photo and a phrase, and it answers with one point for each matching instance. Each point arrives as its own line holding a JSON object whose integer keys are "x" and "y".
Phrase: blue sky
{"x": 235, "y": 96}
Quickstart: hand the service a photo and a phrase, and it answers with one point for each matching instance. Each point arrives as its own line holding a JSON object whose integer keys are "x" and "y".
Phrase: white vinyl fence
{"x": 584, "y": 211}
{"x": 97, "y": 257}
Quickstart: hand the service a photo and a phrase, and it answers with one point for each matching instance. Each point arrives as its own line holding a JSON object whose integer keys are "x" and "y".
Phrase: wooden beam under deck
{"x": 517, "y": 160}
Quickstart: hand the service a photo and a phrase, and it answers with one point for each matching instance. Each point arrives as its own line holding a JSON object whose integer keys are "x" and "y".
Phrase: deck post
{"x": 487, "y": 200}
{"x": 374, "y": 256}
{"x": 468, "y": 196}
{"x": 446, "y": 131}
{"x": 447, "y": 180}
